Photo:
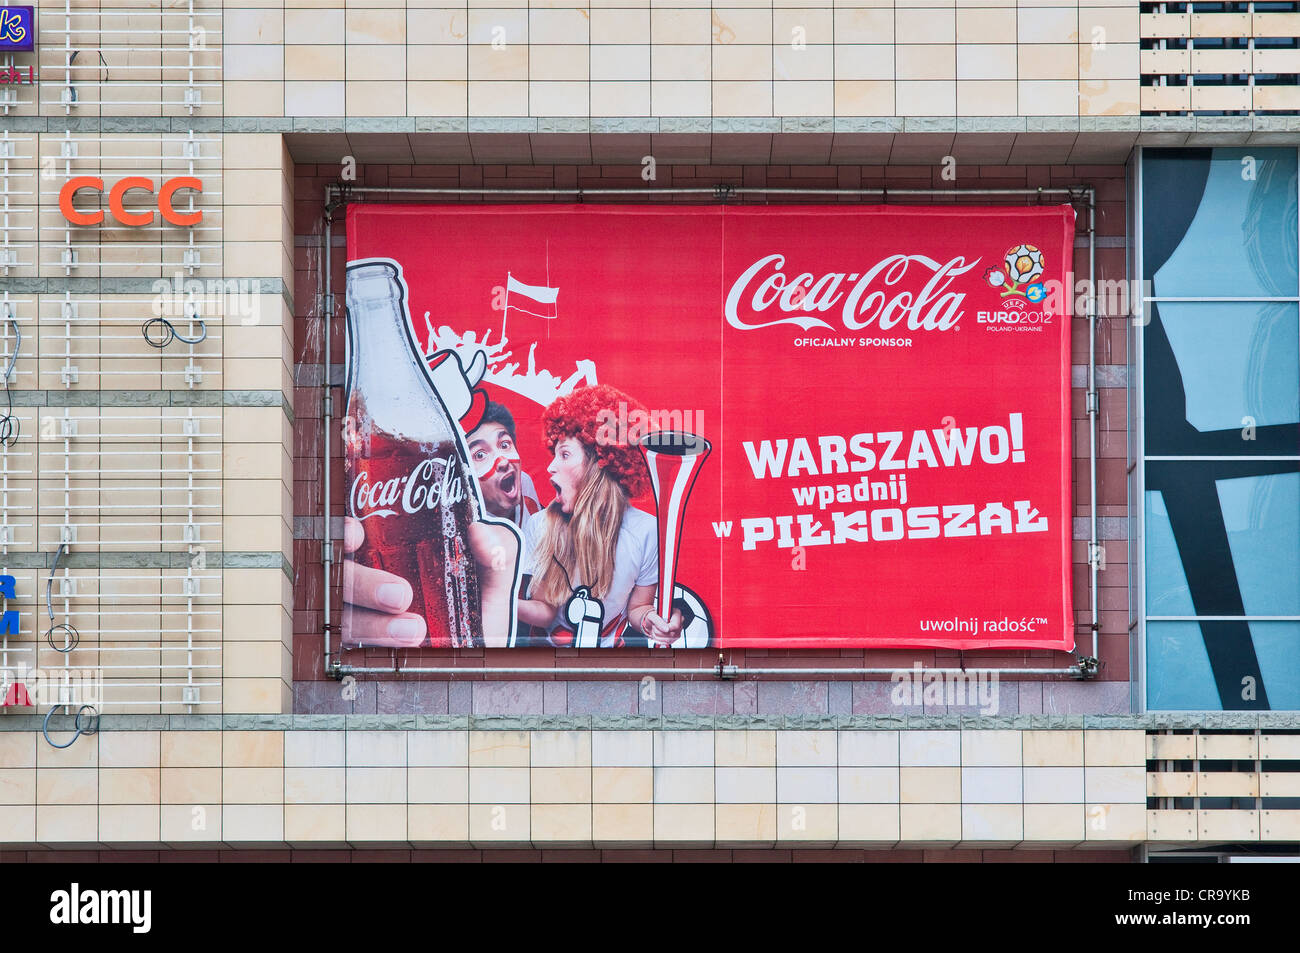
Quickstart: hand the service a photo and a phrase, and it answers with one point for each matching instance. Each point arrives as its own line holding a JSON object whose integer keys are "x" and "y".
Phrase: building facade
{"x": 172, "y": 283}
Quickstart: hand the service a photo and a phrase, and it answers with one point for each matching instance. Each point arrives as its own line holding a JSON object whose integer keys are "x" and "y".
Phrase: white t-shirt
{"x": 636, "y": 563}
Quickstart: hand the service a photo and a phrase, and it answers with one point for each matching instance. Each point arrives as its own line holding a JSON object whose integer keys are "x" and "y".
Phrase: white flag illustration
{"x": 539, "y": 295}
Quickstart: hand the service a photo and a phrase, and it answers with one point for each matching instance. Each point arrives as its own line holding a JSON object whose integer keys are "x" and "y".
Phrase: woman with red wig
{"x": 590, "y": 546}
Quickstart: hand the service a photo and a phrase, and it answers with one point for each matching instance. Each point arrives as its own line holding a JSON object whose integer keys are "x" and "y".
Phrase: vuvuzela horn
{"x": 674, "y": 458}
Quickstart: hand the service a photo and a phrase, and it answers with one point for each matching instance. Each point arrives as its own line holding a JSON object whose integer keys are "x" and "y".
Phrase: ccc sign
{"x": 166, "y": 196}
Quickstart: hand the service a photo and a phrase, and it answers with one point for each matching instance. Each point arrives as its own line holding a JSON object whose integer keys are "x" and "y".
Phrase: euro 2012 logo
{"x": 1019, "y": 273}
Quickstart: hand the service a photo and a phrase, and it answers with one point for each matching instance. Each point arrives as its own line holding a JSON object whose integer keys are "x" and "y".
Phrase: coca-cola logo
{"x": 430, "y": 484}
{"x": 861, "y": 299}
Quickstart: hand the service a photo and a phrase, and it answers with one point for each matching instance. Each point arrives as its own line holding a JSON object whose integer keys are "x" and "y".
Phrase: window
{"x": 1218, "y": 457}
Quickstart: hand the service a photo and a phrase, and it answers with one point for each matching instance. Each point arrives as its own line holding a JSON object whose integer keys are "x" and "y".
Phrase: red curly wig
{"x": 583, "y": 413}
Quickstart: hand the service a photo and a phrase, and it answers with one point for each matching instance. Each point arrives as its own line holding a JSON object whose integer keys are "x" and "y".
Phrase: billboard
{"x": 690, "y": 427}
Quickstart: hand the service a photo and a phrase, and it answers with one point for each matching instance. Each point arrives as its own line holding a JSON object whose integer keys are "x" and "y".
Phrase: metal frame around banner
{"x": 337, "y": 195}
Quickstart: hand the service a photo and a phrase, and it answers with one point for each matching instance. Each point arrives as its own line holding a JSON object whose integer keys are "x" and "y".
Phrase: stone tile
{"x": 840, "y": 698}
{"x": 129, "y": 749}
{"x": 499, "y": 786}
{"x": 812, "y": 823}
{"x": 306, "y": 824}
{"x": 868, "y": 824}
{"x": 991, "y": 785}
{"x": 745, "y": 698}
{"x": 425, "y": 698}
{"x": 1128, "y": 822}
{"x": 745, "y": 825}
{"x": 252, "y": 823}
{"x": 683, "y": 824}
{"x": 437, "y": 748}
{"x": 863, "y": 785}
{"x": 650, "y": 701}
{"x": 745, "y": 748}
{"x": 615, "y": 825}
{"x": 311, "y": 749}
{"x": 1057, "y": 823}
{"x": 684, "y": 748}
{"x": 18, "y": 749}
{"x": 745, "y": 785}
{"x": 696, "y": 698}
{"x": 499, "y": 823}
{"x": 555, "y": 698}
{"x": 1030, "y": 698}
{"x": 438, "y": 785}
{"x": 622, "y": 748}
{"x": 498, "y": 749}
{"x": 560, "y": 749}
{"x": 923, "y": 747}
{"x": 1062, "y": 785}
{"x": 793, "y": 698}
{"x": 315, "y": 785}
{"x": 1052, "y": 748}
{"x": 561, "y": 824}
{"x": 603, "y": 698}
{"x": 1086, "y": 698}
{"x": 376, "y": 823}
{"x": 319, "y": 698}
{"x": 1114, "y": 748}
{"x": 1115, "y": 785}
{"x": 376, "y": 785}
{"x": 992, "y": 822}
{"x": 561, "y": 786}
{"x": 683, "y": 785}
{"x": 252, "y": 749}
{"x": 509, "y": 698}
{"x": 805, "y": 785}
{"x": 129, "y": 823}
{"x": 990, "y": 748}
{"x": 869, "y": 748}
{"x": 929, "y": 785}
{"x": 806, "y": 748}
{"x": 989, "y": 699}
{"x": 930, "y": 822}
{"x": 67, "y": 823}
{"x": 460, "y": 698}
{"x": 438, "y": 823}
{"x": 622, "y": 785}
{"x": 875, "y": 698}
{"x": 376, "y": 749}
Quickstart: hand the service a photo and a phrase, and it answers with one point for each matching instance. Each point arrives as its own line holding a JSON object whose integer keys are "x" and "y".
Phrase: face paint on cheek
{"x": 485, "y": 467}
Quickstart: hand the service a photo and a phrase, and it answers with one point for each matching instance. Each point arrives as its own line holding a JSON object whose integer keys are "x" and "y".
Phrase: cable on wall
{"x": 167, "y": 333}
{"x": 9, "y": 425}
{"x": 71, "y": 637}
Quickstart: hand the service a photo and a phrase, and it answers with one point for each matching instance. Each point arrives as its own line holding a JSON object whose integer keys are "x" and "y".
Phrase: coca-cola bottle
{"x": 405, "y": 467}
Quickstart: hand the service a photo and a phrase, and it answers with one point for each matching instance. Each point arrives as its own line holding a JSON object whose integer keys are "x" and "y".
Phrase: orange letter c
{"x": 170, "y": 188}
{"x": 70, "y": 188}
{"x": 119, "y": 192}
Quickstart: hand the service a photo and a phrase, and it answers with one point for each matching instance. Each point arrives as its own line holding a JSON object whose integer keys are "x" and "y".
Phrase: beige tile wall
{"x": 725, "y": 788}
{"x": 118, "y": 471}
{"x": 506, "y": 58}
{"x": 633, "y": 58}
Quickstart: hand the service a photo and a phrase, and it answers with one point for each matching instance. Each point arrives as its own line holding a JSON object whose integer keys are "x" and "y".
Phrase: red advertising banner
{"x": 812, "y": 426}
